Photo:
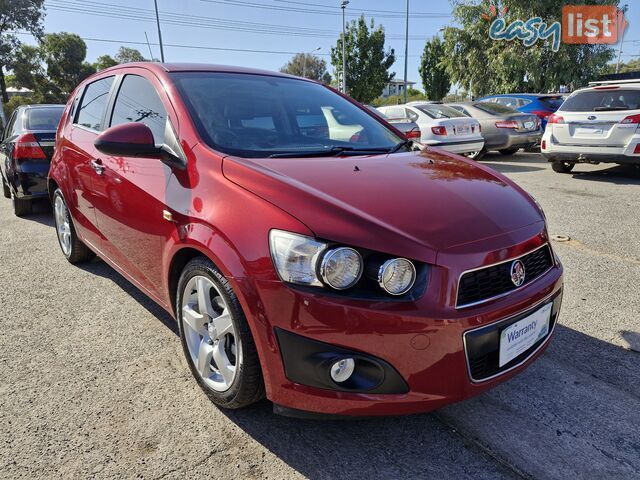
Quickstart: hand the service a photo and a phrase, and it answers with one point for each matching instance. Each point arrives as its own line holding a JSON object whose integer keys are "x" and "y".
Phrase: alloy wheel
{"x": 62, "y": 225}
{"x": 210, "y": 334}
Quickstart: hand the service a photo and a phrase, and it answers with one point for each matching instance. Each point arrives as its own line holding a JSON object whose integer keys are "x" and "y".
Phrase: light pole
{"x": 344, "y": 50}
{"x": 155, "y": 2}
{"x": 406, "y": 52}
{"x": 304, "y": 63}
{"x": 623, "y": 10}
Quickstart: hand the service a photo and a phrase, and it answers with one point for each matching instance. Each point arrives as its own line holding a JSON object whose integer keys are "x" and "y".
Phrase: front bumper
{"x": 423, "y": 341}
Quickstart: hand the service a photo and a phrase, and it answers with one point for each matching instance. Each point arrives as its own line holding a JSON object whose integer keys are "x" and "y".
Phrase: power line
{"x": 108, "y": 10}
{"x": 372, "y": 12}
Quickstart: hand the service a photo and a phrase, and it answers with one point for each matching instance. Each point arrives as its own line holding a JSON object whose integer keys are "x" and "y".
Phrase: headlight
{"x": 341, "y": 268}
{"x": 296, "y": 257}
{"x": 397, "y": 276}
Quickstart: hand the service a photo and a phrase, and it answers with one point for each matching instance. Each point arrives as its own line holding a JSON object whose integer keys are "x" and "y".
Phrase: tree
{"x": 435, "y": 79}
{"x": 484, "y": 66}
{"x": 309, "y": 66}
{"x": 126, "y": 55}
{"x": 16, "y": 15}
{"x": 64, "y": 54}
{"x": 104, "y": 61}
{"x": 367, "y": 61}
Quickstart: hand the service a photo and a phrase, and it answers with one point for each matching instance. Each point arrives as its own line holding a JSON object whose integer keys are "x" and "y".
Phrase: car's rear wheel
{"x": 5, "y": 188}
{"x": 562, "y": 167}
{"x": 216, "y": 338}
{"x": 508, "y": 151}
{"x": 21, "y": 206}
{"x": 72, "y": 247}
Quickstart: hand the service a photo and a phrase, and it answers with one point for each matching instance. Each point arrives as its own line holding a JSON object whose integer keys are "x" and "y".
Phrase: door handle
{"x": 96, "y": 164}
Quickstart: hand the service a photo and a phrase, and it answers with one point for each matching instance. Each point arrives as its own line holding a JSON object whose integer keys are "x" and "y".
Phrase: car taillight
{"x": 413, "y": 133}
{"x": 631, "y": 119}
{"x": 28, "y": 148}
{"x": 543, "y": 145}
{"x": 507, "y": 124}
{"x": 439, "y": 130}
{"x": 637, "y": 149}
{"x": 555, "y": 119}
{"x": 542, "y": 113}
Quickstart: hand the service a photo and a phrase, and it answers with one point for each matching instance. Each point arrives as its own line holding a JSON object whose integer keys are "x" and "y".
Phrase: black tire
{"x": 5, "y": 188}
{"x": 478, "y": 155}
{"x": 21, "y": 206}
{"x": 562, "y": 167}
{"x": 508, "y": 151}
{"x": 79, "y": 252}
{"x": 248, "y": 384}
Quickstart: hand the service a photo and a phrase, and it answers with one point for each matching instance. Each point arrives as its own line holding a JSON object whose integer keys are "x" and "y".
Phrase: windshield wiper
{"x": 604, "y": 109}
{"x": 330, "y": 152}
{"x": 399, "y": 146}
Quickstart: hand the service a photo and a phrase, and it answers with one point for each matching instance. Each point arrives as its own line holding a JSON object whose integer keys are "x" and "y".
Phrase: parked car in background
{"x": 25, "y": 153}
{"x": 405, "y": 125}
{"x": 358, "y": 277}
{"x": 595, "y": 124}
{"x": 504, "y": 129}
{"x": 542, "y": 105}
{"x": 440, "y": 126}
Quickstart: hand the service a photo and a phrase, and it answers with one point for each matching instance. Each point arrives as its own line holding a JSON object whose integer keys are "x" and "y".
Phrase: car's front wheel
{"x": 562, "y": 167}
{"x": 72, "y": 247}
{"x": 216, "y": 338}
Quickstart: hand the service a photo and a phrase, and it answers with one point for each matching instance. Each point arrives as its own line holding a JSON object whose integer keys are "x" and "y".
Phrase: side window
{"x": 94, "y": 104}
{"x": 413, "y": 116}
{"x": 10, "y": 125}
{"x": 522, "y": 102}
{"x": 508, "y": 102}
{"x": 138, "y": 101}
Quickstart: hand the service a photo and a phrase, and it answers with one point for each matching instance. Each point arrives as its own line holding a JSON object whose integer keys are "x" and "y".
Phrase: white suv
{"x": 595, "y": 124}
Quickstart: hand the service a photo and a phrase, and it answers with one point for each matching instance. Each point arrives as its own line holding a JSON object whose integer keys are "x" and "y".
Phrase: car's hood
{"x": 412, "y": 204}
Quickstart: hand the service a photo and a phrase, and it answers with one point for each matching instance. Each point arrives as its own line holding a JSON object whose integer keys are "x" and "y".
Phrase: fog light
{"x": 342, "y": 370}
{"x": 397, "y": 276}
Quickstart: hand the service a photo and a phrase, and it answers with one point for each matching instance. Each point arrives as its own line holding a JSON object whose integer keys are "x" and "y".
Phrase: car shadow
{"x": 41, "y": 212}
{"x": 102, "y": 269}
{"x": 510, "y": 167}
{"x": 416, "y": 446}
{"x": 618, "y": 174}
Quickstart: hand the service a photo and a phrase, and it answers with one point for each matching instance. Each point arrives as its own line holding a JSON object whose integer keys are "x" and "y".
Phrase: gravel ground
{"x": 93, "y": 382}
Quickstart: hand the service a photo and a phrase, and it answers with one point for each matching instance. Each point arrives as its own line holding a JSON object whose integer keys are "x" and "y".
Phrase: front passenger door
{"x": 131, "y": 190}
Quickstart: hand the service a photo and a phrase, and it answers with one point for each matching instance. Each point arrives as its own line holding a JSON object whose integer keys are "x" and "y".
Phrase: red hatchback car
{"x": 307, "y": 250}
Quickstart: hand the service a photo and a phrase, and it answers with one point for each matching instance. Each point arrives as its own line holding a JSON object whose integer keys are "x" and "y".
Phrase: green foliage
{"x": 435, "y": 79}
{"x": 64, "y": 54}
{"x": 398, "y": 99}
{"x": 367, "y": 61}
{"x": 630, "y": 66}
{"x": 17, "y": 15}
{"x": 484, "y": 66}
{"x": 16, "y": 100}
{"x": 413, "y": 92}
{"x": 315, "y": 67}
{"x": 126, "y": 55}
{"x": 104, "y": 61}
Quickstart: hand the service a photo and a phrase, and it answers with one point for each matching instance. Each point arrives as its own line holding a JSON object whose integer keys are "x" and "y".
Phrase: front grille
{"x": 486, "y": 283}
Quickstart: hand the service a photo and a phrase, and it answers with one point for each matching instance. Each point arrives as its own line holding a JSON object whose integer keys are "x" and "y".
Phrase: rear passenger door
{"x": 130, "y": 193}
{"x": 82, "y": 158}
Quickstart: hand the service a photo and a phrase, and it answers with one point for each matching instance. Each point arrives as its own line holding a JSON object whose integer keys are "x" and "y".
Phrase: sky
{"x": 257, "y": 33}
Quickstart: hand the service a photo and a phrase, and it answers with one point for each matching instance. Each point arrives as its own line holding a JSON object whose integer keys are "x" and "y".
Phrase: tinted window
{"x": 602, "y": 100}
{"x": 10, "y": 125}
{"x": 94, "y": 103}
{"x": 43, "y": 118}
{"x": 494, "y": 108}
{"x": 552, "y": 102}
{"x": 138, "y": 101}
{"x": 439, "y": 111}
{"x": 259, "y": 115}
{"x": 508, "y": 102}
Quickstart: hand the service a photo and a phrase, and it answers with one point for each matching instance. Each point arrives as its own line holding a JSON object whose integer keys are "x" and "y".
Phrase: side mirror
{"x": 135, "y": 140}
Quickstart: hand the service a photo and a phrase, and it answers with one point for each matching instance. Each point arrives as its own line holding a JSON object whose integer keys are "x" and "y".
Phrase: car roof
{"x": 525, "y": 95}
{"x": 197, "y": 67}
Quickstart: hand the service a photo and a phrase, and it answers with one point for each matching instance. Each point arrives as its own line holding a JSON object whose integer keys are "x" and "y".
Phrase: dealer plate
{"x": 520, "y": 336}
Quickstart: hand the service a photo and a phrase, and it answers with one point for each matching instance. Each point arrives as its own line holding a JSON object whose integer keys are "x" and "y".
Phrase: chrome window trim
{"x": 495, "y": 297}
{"x": 530, "y": 309}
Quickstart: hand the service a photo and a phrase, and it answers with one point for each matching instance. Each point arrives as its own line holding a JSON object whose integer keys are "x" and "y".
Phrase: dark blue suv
{"x": 539, "y": 104}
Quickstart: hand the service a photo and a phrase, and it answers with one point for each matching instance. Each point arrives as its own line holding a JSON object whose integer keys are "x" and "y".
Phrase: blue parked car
{"x": 540, "y": 104}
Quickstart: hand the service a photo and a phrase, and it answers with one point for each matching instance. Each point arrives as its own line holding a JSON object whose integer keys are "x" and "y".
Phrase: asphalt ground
{"x": 93, "y": 382}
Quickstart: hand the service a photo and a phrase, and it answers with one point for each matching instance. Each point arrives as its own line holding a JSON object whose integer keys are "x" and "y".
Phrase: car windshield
{"x": 494, "y": 108}
{"x": 260, "y": 116}
{"x": 436, "y": 111}
{"x": 602, "y": 100}
{"x": 45, "y": 118}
